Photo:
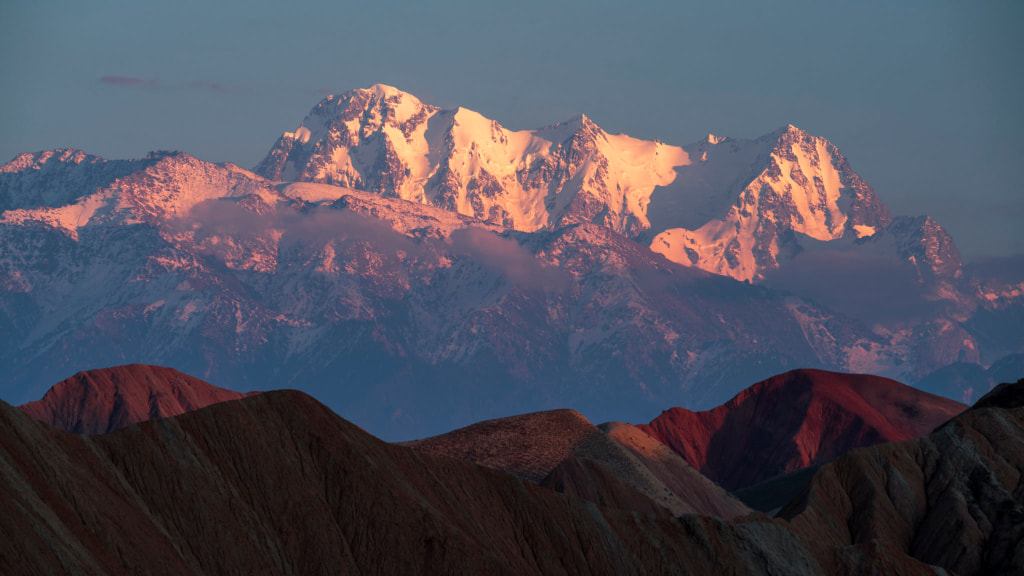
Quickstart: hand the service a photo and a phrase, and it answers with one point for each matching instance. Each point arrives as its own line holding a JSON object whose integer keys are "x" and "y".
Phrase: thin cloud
{"x": 219, "y": 217}
{"x": 211, "y": 86}
{"x": 872, "y": 288}
{"x": 155, "y": 84}
{"x": 131, "y": 82}
{"x": 507, "y": 257}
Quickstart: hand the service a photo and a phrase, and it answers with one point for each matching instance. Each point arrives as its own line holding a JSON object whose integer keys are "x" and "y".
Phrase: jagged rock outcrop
{"x": 953, "y": 498}
{"x": 795, "y": 420}
{"x": 386, "y": 141}
{"x": 106, "y": 399}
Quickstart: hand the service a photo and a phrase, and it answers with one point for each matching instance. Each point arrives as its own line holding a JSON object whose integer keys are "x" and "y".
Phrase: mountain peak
{"x": 790, "y": 129}
{"x": 38, "y": 160}
{"x": 385, "y": 91}
{"x": 792, "y": 182}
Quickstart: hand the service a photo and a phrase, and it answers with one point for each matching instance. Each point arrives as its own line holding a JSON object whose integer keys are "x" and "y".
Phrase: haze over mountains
{"x": 421, "y": 269}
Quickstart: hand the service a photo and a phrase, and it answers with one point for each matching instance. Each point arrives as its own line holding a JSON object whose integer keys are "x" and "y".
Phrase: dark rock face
{"x": 795, "y": 420}
{"x": 952, "y": 499}
{"x": 106, "y": 399}
{"x": 925, "y": 243}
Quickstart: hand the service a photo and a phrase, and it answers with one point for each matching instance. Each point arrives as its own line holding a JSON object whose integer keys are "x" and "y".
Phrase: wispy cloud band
{"x": 155, "y": 84}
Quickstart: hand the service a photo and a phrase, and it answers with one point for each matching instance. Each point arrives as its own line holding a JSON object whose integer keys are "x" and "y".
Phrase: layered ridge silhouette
{"x": 277, "y": 484}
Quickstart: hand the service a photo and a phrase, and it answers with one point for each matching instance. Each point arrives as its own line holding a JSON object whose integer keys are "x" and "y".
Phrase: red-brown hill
{"x": 953, "y": 498}
{"x": 105, "y": 399}
{"x": 562, "y": 450}
{"x": 795, "y": 420}
{"x": 278, "y": 484}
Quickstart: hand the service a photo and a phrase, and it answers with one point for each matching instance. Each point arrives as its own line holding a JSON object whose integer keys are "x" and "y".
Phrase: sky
{"x": 924, "y": 98}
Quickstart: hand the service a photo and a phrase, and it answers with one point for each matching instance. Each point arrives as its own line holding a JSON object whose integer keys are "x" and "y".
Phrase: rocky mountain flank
{"x": 376, "y": 304}
{"x": 795, "y": 420}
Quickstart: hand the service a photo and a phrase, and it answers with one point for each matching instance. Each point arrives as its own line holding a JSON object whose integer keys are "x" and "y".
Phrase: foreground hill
{"x": 953, "y": 498}
{"x": 278, "y": 484}
{"x": 562, "y": 450}
{"x": 796, "y": 420}
{"x": 105, "y": 399}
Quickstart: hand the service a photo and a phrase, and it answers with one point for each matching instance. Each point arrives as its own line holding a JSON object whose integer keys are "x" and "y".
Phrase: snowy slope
{"x": 798, "y": 184}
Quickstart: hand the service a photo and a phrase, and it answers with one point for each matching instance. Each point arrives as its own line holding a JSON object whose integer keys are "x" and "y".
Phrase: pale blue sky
{"x": 923, "y": 97}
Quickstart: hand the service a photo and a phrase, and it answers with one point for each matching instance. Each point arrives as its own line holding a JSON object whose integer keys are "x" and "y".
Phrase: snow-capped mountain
{"x": 385, "y": 308}
{"x": 732, "y": 207}
{"x": 386, "y": 141}
{"x": 782, "y": 185}
{"x": 368, "y": 266}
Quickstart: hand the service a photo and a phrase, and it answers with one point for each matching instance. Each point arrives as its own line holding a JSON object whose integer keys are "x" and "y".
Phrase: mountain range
{"x": 774, "y": 434}
{"x": 421, "y": 269}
